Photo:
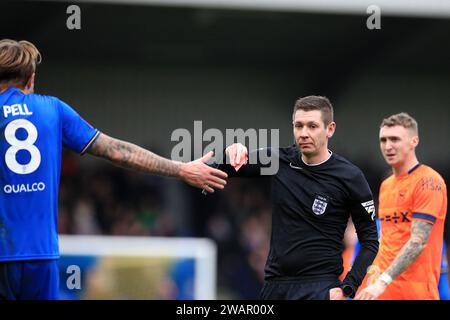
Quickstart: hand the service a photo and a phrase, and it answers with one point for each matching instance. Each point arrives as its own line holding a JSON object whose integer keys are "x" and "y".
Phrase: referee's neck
{"x": 318, "y": 159}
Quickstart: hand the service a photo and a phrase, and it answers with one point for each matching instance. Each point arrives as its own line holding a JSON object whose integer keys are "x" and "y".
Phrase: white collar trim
{"x": 318, "y": 164}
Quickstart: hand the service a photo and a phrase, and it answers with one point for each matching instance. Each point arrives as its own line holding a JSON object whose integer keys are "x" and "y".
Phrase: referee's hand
{"x": 238, "y": 155}
{"x": 198, "y": 174}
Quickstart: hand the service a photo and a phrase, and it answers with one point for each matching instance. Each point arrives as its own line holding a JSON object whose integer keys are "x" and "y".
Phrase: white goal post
{"x": 203, "y": 251}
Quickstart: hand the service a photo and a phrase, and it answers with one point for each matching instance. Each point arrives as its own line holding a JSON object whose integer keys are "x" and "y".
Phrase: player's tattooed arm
{"x": 420, "y": 232}
{"x": 128, "y": 155}
{"x": 131, "y": 156}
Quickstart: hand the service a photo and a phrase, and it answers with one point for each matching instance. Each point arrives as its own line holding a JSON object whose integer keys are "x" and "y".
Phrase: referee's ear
{"x": 331, "y": 128}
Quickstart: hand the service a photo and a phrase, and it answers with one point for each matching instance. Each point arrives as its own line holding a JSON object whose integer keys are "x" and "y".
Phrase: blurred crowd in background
{"x": 106, "y": 200}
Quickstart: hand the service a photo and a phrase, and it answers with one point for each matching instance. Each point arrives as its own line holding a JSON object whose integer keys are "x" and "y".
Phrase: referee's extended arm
{"x": 236, "y": 153}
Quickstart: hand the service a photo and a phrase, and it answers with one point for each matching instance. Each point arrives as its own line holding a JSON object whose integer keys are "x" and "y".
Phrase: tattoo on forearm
{"x": 420, "y": 232}
{"x": 131, "y": 156}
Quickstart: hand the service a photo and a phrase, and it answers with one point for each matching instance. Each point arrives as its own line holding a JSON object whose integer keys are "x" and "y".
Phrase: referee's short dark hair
{"x": 316, "y": 103}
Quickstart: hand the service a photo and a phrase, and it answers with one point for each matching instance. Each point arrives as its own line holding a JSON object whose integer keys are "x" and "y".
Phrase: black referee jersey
{"x": 311, "y": 206}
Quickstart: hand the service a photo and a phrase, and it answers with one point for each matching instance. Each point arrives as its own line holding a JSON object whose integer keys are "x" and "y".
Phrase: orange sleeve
{"x": 429, "y": 197}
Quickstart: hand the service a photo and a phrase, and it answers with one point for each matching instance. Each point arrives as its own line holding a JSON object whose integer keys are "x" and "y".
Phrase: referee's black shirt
{"x": 311, "y": 206}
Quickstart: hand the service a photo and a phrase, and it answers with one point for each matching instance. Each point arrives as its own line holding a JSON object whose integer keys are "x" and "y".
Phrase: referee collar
{"x": 317, "y": 164}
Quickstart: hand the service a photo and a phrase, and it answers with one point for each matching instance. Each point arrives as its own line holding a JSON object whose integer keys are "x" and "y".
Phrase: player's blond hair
{"x": 18, "y": 60}
{"x": 401, "y": 119}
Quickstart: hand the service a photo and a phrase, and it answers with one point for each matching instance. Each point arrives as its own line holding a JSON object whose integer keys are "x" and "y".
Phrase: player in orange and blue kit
{"x": 412, "y": 210}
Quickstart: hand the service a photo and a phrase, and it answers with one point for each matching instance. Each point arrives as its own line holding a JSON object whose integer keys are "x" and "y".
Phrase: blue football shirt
{"x": 33, "y": 130}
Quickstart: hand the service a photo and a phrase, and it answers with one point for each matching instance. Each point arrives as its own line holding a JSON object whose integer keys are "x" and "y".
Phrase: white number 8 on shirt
{"x": 17, "y": 145}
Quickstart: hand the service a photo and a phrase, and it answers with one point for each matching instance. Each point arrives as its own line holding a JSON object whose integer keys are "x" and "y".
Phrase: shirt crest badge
{"x": 320, "y": 205}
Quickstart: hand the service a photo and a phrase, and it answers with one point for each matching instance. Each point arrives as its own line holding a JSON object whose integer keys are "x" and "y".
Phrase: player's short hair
{"x": 18, "y": 60}
{"x": 320, "y": 103}
{"x": 401, "y": 119}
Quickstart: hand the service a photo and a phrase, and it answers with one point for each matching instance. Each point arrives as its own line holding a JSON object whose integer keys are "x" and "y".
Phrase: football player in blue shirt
{"x": 33, "y": 130}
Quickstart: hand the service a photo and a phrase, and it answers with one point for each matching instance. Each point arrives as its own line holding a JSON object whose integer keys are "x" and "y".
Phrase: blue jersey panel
{"x": 33, "y": 129}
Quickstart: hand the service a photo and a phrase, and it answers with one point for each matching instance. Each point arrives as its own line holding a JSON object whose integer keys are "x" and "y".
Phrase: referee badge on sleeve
{"x": 370, "y": 208}
{"x": 320, "y": 205}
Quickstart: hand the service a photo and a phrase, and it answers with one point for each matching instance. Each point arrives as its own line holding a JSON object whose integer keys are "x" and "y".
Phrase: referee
{"x": 314, "y": 193}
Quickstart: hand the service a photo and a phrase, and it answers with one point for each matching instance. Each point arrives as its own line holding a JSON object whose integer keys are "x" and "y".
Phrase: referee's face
{"x": 310, "y": 133}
